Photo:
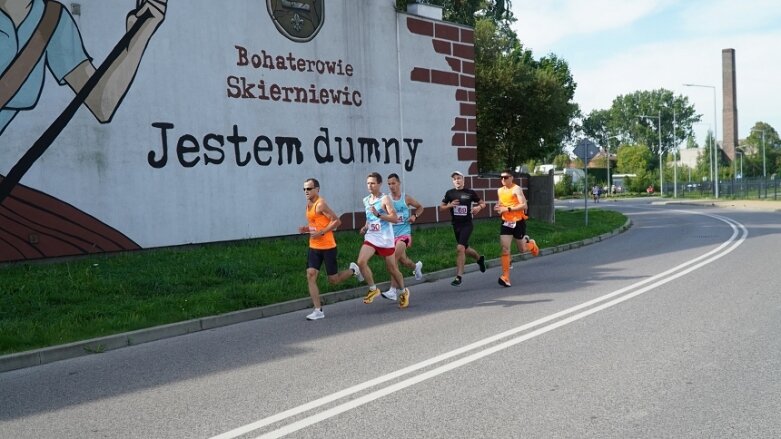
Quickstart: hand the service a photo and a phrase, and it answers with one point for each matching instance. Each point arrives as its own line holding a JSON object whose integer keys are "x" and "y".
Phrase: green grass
{"x": 49, "y": 303}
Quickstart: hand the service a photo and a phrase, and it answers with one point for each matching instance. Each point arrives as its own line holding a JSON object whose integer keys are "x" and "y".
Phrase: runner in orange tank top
{"x": 321, "y": 223}
{"x": 512, "y": 208}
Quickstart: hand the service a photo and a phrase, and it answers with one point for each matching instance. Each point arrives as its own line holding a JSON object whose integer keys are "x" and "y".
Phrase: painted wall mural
{"x": 203, "y": 117}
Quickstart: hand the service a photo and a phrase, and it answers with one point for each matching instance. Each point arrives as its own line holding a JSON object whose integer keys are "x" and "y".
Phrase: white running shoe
{"x": 390, "y": 294}
{"x": 418, "y": 270}
{"x": 316, "y": 315}
{"x": 356, "y": 271}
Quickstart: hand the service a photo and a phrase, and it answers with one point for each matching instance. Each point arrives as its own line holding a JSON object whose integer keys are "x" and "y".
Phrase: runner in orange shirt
{"x": 512, "y": 207}
{"x": 322, "y": 221}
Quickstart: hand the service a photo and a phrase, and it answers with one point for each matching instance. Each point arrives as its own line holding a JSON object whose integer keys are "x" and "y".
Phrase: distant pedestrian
{"x": 511, "y": 205}
{"x": 402, "y": 231}
{"x": 321, "y": 222}
{"x": 595, "y": 191}
{"x": 378, "y": 239}
{"x": 459, "y": 202}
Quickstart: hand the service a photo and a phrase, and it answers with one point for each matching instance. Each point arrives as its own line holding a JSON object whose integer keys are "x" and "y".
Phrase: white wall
{"x": 104, "y": 170}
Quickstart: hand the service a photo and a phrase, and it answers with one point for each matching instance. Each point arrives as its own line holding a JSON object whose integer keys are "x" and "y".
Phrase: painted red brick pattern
{"x": 467, "y": 36}
{"x": 421, "y": 27}
{"x": 447, "y": 32}
{"x": 445, "y": 78}
{"x": 420, "y": 75}
{"x": 465, "y": 154}
{"x": 443, "y": 47}
{"x": 457, "y": 46}
{"x": 454, "y": 63}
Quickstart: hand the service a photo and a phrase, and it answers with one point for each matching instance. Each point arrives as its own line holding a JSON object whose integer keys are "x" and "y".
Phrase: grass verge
{"x": 46, "y": 304}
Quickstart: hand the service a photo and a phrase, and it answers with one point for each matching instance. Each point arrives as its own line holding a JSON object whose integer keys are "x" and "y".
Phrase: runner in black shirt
{"x": 459, "y": 201}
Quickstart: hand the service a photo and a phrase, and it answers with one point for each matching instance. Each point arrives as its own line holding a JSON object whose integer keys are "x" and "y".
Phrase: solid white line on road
{"x": 658, "y": 279}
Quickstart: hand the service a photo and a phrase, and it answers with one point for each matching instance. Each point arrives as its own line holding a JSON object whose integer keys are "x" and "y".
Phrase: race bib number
{"x": 401, "y": 219}
{"x": 510, "y": 224}
{"x": 312, "y": 229}
{"x": 374, "y": 227}
{"x": 459, "y": 210}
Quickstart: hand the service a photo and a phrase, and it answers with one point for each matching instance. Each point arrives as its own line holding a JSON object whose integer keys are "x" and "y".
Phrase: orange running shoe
{"x": 532, "y": 244}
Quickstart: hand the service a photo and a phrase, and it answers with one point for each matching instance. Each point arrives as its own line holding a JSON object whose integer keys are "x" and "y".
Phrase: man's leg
{"x": 505, "y": 241}
{"x": 460, "y": 259}
{"x": 314, "y": 291}
{"x": 401, "y": 255}
{"x": 332, "y": 268}
{"x": 364, "y": 255}
{"x": 393, "y": 269}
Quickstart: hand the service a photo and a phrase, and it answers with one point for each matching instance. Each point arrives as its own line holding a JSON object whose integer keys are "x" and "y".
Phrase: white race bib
{"x": 375, "y": 227}
{"x": 510, "y": 224}
{"x": 459, "y": 210}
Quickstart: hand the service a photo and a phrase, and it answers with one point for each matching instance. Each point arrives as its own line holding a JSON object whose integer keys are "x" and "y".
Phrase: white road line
{"x": 658, "y": 279}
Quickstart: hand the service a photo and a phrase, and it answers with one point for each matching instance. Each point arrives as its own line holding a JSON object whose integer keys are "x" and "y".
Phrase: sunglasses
{"x": 506, "y": 176}
{"x": 306, "y": 189}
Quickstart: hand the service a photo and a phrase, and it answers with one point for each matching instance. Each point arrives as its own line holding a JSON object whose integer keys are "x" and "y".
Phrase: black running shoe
{"x": 481, "y": 263}
{"x": 456, "y": 281}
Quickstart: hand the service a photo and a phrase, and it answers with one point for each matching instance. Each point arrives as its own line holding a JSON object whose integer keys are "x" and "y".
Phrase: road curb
{"x": 99, "y": 345}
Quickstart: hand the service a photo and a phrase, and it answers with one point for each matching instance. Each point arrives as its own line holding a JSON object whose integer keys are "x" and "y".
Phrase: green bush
{"x": 564, "y": 187}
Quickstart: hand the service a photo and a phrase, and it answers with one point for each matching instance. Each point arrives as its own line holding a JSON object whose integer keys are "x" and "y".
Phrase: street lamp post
{"x": 714, "y": 160}
{"x": 764, "y": 166}
{"x": 609, "y": 185}
{"x": 661, "y": 168}
{"x": 675, "y": 160}
{"x": 741, "y": 164}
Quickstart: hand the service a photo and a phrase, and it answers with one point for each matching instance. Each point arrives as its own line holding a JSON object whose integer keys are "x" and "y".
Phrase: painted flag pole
{"x": 45, "y": 140}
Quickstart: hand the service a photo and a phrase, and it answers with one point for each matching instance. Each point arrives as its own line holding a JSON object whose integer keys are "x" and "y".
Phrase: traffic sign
{"x": 586, "y": 150}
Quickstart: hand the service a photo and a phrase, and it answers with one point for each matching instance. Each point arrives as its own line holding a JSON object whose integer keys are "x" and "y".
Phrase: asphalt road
{"x": 672, "y": 329}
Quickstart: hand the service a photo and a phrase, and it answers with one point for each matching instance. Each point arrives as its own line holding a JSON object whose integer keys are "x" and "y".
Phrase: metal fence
{"x": 748, "y": 188}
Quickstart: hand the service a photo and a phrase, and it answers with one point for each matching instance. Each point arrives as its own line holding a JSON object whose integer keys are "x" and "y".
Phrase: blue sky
{"x": 616, "y": 47}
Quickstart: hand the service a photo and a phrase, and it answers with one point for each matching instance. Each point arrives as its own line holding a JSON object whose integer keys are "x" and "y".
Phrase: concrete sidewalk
{"x": 102, "y": 344}
{"x": 759, "y": 205}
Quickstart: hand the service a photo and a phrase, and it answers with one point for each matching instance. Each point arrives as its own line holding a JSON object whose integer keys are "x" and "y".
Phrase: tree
{"x": 561, "y": 161}
{"x": 599, "y": 126}
{"x": 622, "y": 119}
{"x": 704, "y": 169}
{"x": 524, "y": 105}
{"x": 772, "y": 146}
{"x": 467, "y": 11}
{"x": 633, "y": 159}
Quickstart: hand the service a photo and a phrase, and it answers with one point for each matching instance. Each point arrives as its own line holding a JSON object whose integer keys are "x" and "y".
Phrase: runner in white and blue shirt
{"x": 380, "y": 214}
{"x": 402, "y": 230}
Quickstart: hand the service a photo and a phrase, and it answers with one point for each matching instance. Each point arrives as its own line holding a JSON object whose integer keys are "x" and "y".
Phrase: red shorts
{"x": 406, "y": 239}
{"x": 382, "y": 251}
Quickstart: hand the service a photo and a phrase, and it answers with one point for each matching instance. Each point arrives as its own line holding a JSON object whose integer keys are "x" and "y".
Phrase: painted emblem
{"x": 298, "y": 20}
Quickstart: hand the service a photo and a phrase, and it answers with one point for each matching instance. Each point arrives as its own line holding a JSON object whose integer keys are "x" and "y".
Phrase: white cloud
{"x": 720, "y": 16}
{"x": 541, "y": 24}
{"x": 688, "y": 51}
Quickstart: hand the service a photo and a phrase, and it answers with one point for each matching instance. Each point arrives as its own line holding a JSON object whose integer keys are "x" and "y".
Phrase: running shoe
{"x": 356, "y": 271}
{"x": 371, "y": 295}
{"x": 317, "y": 314}
{"x": 418, "y": 270}
{"x": 404, "y": 298}
{"x": 503, "y": 281}
{"x": 481, "y": 263}
{"x": 390, "y": 294}
{"x": 456, "y": 281}
{"x": 533, "y": 248}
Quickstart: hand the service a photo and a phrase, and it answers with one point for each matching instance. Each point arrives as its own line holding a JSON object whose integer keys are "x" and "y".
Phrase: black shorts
{"x": 518, "y": 232}
{"x": 316, "y": 258}
{"x": 463, "y": 231}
